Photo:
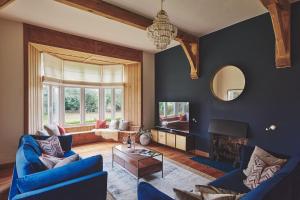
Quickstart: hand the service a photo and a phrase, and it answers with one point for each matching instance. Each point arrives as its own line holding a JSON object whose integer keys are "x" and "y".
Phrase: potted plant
{"x": 145, "y": 137}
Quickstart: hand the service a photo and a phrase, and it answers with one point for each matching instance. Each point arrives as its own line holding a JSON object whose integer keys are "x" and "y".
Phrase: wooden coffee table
{"x": 136, "y": 164}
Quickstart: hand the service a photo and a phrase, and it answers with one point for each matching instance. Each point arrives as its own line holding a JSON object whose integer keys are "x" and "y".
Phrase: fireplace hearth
{"x": 227, "y": 138}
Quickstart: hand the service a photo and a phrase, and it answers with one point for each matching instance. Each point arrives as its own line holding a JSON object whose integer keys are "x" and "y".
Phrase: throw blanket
{"x": 107, "y": 133}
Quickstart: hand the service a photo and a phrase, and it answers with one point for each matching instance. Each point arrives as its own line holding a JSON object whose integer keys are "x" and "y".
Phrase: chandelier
{"x": 162, "y": 32}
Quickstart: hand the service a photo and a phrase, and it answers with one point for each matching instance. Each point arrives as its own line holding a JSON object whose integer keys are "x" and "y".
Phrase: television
{"x": 174, "y": 116}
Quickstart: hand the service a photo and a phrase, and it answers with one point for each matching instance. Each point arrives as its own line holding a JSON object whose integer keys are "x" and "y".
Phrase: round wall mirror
{"x": 228, "y": 83}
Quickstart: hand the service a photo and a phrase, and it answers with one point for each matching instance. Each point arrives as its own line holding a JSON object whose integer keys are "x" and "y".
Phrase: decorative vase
{"x": 145, "y": 139}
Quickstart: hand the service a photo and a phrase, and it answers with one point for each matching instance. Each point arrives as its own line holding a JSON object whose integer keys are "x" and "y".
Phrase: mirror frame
{"x": 212, "y": 80}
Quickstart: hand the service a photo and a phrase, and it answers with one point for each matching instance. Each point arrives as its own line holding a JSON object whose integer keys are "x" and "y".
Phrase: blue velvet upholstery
{"x": 27, "y": 160}
{"x": 148, "y": 192}
{"x": 285, "y": 184}
{"x": 83, "y": 179}
{"x": 232, "y": 181}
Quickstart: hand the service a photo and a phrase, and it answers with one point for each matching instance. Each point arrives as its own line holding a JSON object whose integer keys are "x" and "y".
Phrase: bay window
{"x": 77, "y": 93}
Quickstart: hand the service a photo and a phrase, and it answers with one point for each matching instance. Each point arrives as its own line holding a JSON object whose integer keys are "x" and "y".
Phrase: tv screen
{"x": 174, "y": 115}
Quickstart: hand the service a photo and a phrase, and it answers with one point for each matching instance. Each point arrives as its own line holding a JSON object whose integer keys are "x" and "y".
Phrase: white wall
{"x": 148, "y": 90}
{"x": 11, "y": 88}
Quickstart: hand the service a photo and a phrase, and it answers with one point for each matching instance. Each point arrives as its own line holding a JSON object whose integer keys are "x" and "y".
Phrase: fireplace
{"x": 227, "y": 138}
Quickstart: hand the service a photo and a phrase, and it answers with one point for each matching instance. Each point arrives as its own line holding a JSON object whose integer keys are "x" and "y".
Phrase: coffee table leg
{"x": 162, "y": 165}
{"x": 112, "y": 157}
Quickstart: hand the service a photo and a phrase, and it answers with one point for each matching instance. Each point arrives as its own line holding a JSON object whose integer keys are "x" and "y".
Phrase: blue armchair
{"x": 83, "y": 179}
{"x": 285, "y": 184}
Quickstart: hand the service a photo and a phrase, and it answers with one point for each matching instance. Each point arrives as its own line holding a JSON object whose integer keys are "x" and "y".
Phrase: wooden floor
{"x": 97, "y": 148}
{"x": 176, "y": 155}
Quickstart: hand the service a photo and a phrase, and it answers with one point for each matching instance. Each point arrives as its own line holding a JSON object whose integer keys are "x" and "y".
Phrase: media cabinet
{"x": 175, "y": 139}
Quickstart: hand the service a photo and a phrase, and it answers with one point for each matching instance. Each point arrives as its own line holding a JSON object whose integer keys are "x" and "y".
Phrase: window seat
{"x": 88, "y": 134}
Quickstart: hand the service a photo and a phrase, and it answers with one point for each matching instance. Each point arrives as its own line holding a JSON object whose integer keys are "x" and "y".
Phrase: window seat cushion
{"x": 107, "y": 133}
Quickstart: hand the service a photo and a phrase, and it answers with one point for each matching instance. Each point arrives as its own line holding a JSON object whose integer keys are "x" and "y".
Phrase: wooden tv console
{"x": 175, "y": 139}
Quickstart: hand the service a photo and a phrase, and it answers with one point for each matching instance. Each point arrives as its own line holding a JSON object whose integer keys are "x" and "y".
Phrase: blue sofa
{"x": 83, "y": 179}
{"x": 285, "y": 184}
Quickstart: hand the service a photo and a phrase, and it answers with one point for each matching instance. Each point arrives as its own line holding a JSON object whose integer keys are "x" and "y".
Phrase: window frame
{"x": 101, "y": 103}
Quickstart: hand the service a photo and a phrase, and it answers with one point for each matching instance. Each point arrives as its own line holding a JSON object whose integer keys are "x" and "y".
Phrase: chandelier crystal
{"x": 162, "y": 32}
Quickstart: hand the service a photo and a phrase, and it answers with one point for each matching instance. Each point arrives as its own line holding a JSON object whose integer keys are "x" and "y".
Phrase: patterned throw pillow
{"x": 253, "y": 180}
{"x": 264, "y": 156}
{"x": 51, "y": 146}
{"x": 268, "y": 172}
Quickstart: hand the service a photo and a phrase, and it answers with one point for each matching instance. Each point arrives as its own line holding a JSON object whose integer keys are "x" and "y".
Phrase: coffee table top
{"x": 139, "y": 153}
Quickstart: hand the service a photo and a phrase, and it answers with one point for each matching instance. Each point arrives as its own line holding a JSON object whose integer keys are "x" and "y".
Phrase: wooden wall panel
{"x": 34, "y": 91}
{"x": 133, "y": 94}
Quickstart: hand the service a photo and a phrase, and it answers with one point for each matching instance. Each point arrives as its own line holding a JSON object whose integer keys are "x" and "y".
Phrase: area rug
{"x": 222, "y": 166}
{"x": 123, "y": 186}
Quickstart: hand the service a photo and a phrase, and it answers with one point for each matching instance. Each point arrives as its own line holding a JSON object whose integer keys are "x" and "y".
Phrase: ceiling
{"x": 198, "y": 17}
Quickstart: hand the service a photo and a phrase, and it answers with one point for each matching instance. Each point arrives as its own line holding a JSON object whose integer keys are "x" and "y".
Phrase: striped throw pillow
{"x": 51, "y": 146}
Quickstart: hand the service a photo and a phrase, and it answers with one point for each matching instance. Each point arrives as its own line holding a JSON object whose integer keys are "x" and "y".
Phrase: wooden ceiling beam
{"x": 189, "y": 43}
{"x": 280, "y": 12}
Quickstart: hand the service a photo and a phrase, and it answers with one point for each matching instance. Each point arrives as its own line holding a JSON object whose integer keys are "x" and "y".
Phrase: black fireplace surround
{"x": 226, "y": 138}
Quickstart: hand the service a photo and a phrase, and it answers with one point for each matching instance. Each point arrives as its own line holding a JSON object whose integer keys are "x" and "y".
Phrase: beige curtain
{"x": 132, "y": 94}
{"x": 35, "y": 87}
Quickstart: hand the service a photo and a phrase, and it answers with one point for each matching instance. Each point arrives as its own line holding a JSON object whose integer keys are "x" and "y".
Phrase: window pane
{"x": 108, "y": 104}
{"x": 91, "y": 105}
{"x": 45, "y": 104}
{"x": 72, "y": 106}
{"x": 118, "y": 103}
{"x": 170, "y": 109}
{"x": 55, "y": 104}
{"x": 75, "y": 71}
{"x": 112, "y": 73}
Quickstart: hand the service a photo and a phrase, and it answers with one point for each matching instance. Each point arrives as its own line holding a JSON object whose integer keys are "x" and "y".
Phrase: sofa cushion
{"x": 268, "y": 172}
{"x": 54, "y": 176}
{"x": 65, "y": 141}
{"x": 67, "y": 160}
{"x": 61, "y": 129}
{"x": 253, "y": 179}
{"x": 186, "y": 195}
{"x": 29, "y": 140}
{"x": 49, "y": 161}
{"x": 51, "y": 146}
{"x": 114, "y": 124}
{"x": 27, "y": 161}
{"x": 123, "y": 125}
{"x": 265, "y": 156}
{"x": 42, "y": 133}
{"x": 100, "y": 124}
{"x": 52, "y": 129}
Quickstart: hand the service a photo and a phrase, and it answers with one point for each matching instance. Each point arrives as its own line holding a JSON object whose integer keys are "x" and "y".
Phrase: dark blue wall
{"x": 272, "y": 96}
